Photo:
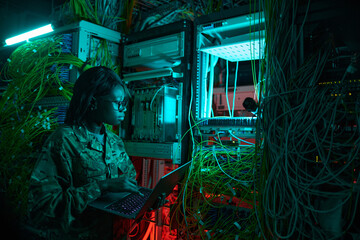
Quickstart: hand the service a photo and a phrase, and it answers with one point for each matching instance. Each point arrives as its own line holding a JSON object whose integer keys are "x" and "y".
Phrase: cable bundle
{"x": 101, "y": 56}
{"x": 106, "y": 13}
{"x": 219, "y": 185}
{"x": 33, "y": 70}
{"x": 308, "y": 163}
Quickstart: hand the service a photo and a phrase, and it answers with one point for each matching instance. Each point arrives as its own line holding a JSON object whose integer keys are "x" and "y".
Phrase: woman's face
{"x": 111, "y": 108}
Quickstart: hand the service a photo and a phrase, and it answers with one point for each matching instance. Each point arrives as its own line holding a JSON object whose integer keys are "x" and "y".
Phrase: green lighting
{"x": 26, "y": 36}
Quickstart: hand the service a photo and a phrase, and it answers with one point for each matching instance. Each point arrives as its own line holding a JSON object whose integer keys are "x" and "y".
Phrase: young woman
{"x": 81, "y": 160}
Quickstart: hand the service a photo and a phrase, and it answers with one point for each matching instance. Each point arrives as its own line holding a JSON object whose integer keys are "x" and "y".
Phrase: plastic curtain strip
{"x": 235, "y": 83}
{"x": 227, "y": 87}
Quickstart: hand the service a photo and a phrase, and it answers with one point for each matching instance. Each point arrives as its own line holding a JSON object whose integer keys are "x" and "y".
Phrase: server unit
{"x": 88, "y": 41}
{"x": 155, "y": 115}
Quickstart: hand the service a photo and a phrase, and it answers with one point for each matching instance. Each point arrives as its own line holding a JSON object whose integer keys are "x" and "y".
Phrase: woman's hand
{"x": 121, "y": 184}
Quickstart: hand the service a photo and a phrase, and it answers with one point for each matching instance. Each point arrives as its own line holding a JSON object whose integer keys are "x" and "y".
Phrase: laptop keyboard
{"x": 130, "y": 204}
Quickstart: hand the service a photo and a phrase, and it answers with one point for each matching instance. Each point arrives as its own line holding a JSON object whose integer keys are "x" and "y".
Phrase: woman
{"x": 82, "y": 160}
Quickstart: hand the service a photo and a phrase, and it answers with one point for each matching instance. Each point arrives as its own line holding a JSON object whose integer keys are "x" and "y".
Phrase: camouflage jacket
{"x": 65, "y": 177}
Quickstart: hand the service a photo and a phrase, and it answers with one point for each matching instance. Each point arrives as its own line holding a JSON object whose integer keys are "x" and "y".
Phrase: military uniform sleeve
{"x": 124, "y": 163}
{"x": 52, "y": 195}
{"x": 130, "y": 169}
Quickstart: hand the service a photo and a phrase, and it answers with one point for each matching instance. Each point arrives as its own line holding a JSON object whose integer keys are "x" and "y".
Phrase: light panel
{"x": 26, "y": 36}
{"x": 241, "y": 48}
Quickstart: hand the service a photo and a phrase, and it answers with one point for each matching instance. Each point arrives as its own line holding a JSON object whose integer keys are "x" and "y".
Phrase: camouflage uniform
{"x": 64, "y": 181}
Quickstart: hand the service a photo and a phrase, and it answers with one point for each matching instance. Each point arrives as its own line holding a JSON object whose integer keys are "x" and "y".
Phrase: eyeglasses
{"x": 118, "y": 105}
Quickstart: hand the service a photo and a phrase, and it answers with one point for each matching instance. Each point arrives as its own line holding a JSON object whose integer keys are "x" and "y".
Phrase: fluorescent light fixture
{"x": 26, "y": 36}
{"x": 241, "y": 48}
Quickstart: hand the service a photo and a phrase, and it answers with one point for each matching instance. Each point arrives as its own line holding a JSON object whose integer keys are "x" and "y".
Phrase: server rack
{"x": 82, "y": 39}
{"x": 165, "y": 52}
{"x": 156, "y": 65}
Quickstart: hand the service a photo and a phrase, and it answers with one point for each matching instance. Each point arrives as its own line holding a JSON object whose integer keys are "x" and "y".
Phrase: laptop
{"x": 132, "y": 205}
